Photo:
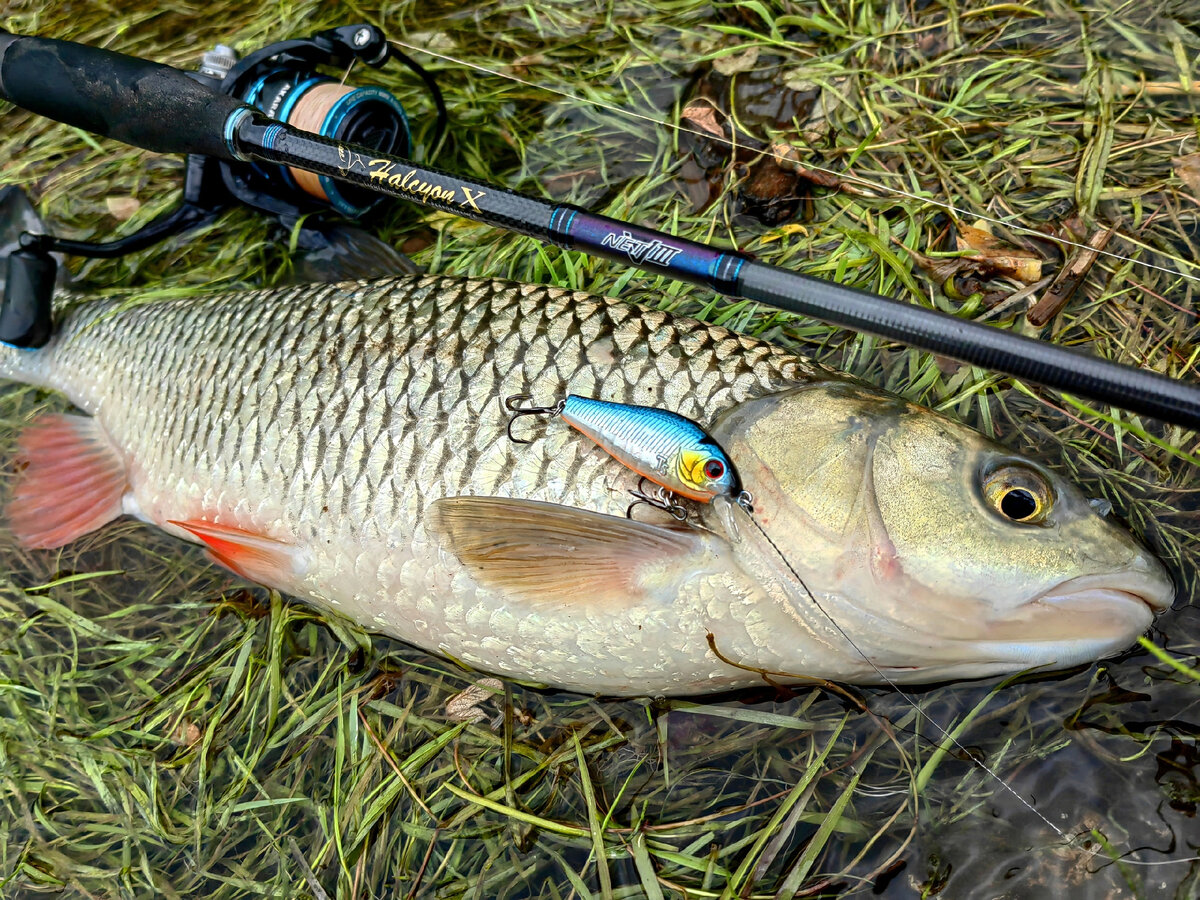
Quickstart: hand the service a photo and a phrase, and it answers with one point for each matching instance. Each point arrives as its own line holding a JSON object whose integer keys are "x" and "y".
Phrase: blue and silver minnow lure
{"x": 661, "y": 446}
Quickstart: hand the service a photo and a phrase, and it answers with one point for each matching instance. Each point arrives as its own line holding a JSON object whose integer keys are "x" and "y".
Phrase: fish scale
{"x": 348, "y": 445}
{"x": 333, "y": 416}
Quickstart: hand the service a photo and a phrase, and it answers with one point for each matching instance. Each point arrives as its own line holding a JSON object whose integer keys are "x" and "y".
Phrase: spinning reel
{"x": 285, "y": 82}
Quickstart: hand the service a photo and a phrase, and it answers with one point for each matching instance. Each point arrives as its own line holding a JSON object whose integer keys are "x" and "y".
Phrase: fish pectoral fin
{"x": 70, "y": 481}
{"x": 253, "y": 556}
{"x": 560, "y": 555}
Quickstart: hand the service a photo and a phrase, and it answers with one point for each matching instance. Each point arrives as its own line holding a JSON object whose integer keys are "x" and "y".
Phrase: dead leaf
{"x": 186, "y": 733}
{"x": 1188, "y": 170}
{"x": 465, "y": 706}
{"x": 798, "y": 81}
{"x": 826, "y": 100}
{"x": 701, "y": 190}
{"x": 703, "y": 116}
{"x": 438, "y": 41}
{"x": 122, "y": 208}
{"x": 564, "y": 181}
{"x": 942, "y": 269}
{"x": 737, "y": 62}
{"x": 417, "y": 242}
{"x": 529, "y": 59}
{"x": 997, "y": 257}
{"x": 977, "y": 237}
{"x": 788, "y": 158}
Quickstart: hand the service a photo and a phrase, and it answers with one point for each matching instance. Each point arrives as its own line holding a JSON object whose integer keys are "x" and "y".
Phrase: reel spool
{"x": 366, "y": 115}
{"x": 283, "y": 80}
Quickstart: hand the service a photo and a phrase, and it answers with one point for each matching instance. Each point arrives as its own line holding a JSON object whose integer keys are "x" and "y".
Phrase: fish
{"x": 347, "y": 445}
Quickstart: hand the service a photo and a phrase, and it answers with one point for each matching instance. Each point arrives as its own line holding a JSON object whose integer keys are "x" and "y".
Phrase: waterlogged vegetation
{"x": 166, "y": 732}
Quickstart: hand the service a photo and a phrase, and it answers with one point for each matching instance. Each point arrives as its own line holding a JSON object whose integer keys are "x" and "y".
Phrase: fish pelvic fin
{"x": 252, "y": 556}
{"x": 558, "y": 555}
{"x": 70, "y": 481}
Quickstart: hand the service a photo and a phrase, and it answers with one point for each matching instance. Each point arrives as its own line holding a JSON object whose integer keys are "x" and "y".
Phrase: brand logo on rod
{"x": 639, "y": 251}
{"x": 410, "y": 182}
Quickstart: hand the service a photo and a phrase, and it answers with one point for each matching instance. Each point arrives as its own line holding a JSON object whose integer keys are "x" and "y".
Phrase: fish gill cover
{"x": 167, "y": 732}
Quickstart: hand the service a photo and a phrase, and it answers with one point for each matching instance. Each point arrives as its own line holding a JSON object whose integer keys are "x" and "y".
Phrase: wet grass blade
{"x": 797, "y": 798}
{"x": 795, "y": 877}
{"x": 599, "y": 856}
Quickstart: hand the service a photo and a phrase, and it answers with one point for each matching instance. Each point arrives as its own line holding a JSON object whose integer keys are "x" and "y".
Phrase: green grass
{"x": 166, "y": 733}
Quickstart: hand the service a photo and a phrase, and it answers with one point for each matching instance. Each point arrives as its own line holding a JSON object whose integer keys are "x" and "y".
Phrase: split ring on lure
{"x": 661, "y": 446}
{"x": 659, "y": 498}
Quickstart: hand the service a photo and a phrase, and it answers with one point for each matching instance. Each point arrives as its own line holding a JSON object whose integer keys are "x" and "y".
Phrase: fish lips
{"x": 1084, "y": 618}
{"x": 1147, "y": 583}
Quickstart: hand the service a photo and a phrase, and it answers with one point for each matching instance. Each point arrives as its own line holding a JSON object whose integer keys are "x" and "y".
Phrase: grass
{"x": 167, "y": 733}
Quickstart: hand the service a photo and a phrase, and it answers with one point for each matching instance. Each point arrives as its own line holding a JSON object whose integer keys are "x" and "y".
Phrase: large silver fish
{"x": 347, "y": 445}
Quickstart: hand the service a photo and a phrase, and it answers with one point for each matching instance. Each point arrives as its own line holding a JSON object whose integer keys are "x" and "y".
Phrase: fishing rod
{"x": 160, "y": 108}
{"x": 285, "y": 80}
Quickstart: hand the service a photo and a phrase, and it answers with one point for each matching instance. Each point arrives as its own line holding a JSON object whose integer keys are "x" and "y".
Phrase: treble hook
{"x": 513, "y": 405}
{"x": 659, "y": 499}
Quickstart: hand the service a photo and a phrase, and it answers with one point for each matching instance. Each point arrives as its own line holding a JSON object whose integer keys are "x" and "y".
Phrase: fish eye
{"x": 1019, "y": 494}
{"x": 714, "y": 469}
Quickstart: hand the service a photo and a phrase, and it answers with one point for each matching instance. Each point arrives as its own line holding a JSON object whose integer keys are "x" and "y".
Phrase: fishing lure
{"x": 661, "y": 446}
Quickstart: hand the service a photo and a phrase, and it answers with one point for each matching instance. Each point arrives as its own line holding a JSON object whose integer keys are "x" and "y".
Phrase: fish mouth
{"x": 1147, "y": 583}
{"x": 1084, "y": 618}
{"x": 1080, "y": 620}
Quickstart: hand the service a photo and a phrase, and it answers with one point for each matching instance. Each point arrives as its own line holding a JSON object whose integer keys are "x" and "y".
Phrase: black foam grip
{"x": 128, "y": 99}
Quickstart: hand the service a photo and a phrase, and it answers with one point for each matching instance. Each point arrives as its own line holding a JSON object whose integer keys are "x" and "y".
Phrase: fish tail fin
{"x": 70, "y": 481}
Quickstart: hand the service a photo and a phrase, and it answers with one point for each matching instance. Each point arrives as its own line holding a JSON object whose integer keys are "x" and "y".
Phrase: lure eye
{"x": 1019, "y": 494}
{"x": 714, "y": 469}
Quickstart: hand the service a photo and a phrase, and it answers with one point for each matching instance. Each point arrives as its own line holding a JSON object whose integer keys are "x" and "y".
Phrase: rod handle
{"x": 122, "y": 97}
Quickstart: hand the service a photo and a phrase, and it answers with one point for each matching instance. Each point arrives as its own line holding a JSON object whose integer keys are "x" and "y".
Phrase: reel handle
{"x": 131, "y": 100}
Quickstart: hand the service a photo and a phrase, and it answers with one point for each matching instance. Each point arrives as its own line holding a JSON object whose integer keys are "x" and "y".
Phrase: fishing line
{"x": 892, "y": 684}
{"x": 815, "y": 167}
{"x": 916, "y": 708}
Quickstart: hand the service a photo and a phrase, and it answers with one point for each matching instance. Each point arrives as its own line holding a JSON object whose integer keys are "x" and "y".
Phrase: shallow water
{"x": 156, "y": 735}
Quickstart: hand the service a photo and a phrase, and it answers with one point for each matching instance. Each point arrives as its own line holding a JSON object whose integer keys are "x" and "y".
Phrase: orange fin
{"x": 69, "y": 481}
{"x": 561, "y": 555}
{"x": 257, "y": 558}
